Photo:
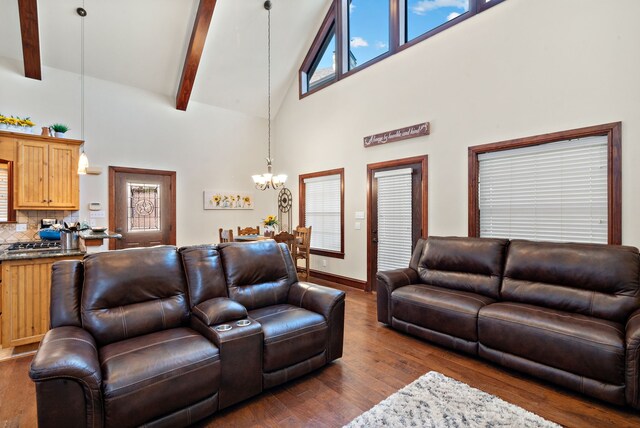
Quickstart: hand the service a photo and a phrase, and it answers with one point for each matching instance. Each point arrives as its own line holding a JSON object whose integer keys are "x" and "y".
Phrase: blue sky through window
{"x": 368, "y": 30}
{"x": 425, "y": 15}
{"x": 369, "y": 25}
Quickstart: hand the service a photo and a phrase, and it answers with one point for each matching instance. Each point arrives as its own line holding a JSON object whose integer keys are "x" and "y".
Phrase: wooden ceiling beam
{"x": 194, "y": 52}
{"x": 30, "y": 38}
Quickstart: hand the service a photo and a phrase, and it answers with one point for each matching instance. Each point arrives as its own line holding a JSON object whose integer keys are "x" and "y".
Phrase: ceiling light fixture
{"x": 268, "y": 180}
{"x": 83, "y": 161}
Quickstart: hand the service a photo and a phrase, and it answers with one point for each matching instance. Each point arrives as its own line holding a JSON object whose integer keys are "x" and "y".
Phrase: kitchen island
{"x": 25, "y": 287}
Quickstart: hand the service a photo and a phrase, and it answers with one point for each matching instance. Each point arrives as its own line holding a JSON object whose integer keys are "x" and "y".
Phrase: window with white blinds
{"x": 394, "y": 218}
{"x": 4, "y": 192}
{"x": 323, "y": 211}
{"x": 549, "y": 192}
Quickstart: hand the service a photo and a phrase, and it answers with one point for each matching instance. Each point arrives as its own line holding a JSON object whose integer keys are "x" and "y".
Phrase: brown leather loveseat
{"x": 566, "y": 313}
{"x": 142, "y": 337}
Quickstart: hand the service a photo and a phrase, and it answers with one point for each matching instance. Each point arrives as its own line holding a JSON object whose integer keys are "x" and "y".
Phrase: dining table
{"x": 249, "y": 238}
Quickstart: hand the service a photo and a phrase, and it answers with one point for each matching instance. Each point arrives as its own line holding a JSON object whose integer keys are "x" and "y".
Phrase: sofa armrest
{"x": 219, "y": 310}
{"x": 632, "y": 365}
{"x": 66, "y": 370}
{"x": 387, "y": 282}
{"x": 329, "y": 303}
{"x": 315, "y": 298}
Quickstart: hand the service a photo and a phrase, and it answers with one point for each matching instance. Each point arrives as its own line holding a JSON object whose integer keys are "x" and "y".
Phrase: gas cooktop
{"x": 35, "y": 246}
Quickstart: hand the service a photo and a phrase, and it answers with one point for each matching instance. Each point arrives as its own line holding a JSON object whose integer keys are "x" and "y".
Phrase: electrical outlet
{"x": 92, "y": 222}
{"x": 358, "y": 226}
{"x": 21, "y": 227}
{"x": 324, "y": 262}
{"x": 97, "y": 214}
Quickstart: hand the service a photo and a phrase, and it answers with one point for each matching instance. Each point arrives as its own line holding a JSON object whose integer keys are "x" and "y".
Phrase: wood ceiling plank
{"x": 194, "y": 52}
{"x": 30, "y": 38}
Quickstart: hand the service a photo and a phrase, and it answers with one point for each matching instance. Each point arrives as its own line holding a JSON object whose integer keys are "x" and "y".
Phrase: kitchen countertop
{"x": 107, "y": 234}
{"x": 27, "y": 255}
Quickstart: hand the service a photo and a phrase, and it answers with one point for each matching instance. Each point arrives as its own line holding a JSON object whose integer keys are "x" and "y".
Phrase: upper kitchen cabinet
{"x": 46, "y": 176}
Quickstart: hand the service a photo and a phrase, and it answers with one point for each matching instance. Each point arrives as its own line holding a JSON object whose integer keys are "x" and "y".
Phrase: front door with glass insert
{"x": 142, "y": 207}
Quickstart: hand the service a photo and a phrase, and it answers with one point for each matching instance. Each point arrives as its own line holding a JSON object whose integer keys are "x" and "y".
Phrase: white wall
{"x": 521, "y": 68}
{"x": 208, "y": 147}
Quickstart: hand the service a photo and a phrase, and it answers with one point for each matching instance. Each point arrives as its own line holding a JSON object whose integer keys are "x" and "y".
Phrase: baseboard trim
{"x": 349, "y": 282}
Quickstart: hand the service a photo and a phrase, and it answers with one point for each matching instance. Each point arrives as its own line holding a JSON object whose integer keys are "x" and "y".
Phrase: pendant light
{"x": 268, "y": 180}
{"x": 83, "y": 161}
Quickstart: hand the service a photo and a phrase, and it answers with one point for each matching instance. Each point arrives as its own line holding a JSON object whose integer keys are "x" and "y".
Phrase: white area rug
{"x": 435, "y": 400}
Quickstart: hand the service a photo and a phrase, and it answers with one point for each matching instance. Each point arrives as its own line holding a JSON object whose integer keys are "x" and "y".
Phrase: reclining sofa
{"x": 165, "y": 337}
{"x": 566, "y": 313}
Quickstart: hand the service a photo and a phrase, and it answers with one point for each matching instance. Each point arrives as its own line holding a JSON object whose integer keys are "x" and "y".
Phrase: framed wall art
{"x": 225, "y": 200}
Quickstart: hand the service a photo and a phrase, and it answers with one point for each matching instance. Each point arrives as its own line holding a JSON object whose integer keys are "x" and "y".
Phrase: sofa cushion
{"x": 579, "y": 344}
{"x": 590, "y": 279}
{"x": 465, "y": 264}
{"x": 133, "y": 292}
{"x": 257, "y": 273}
{"x": 147, "y": 377}
{"x": 291, "y": 335}
{"x": 203, "y": 269}
{"x": 447, "y": 311}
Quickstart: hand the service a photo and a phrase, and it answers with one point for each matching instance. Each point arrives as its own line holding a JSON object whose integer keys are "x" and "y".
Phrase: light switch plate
{"x": 359, "y": 214}
{"x": 21, "y": 227}
{"x": 97, "y": 214}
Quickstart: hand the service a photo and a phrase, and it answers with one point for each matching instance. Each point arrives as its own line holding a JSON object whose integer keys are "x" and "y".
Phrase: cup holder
{"x": 243, "y": 323}
{"x": 223, "y": 327}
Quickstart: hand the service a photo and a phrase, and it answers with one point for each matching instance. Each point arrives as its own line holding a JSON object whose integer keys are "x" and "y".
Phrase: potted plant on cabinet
{"x": 59, "y": 129}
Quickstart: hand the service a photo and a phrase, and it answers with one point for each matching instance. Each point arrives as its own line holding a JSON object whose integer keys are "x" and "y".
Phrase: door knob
{"x": 375, "y": 240}
{"x": 118, "y": 229}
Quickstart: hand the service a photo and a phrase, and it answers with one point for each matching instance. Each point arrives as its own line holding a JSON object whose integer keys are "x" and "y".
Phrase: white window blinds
{"x": 4, "y": 193}
{"x": 322, "y": 211}
{"x": 549, "y": 192}
{"x": 394, "y": 218}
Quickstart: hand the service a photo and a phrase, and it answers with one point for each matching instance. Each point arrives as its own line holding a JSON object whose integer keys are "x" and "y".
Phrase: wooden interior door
{"x": 415, "y": 170}
{"x": 32, "y": 183}
{"x": 142, "y": 207}
{"x": 64, "y": 182}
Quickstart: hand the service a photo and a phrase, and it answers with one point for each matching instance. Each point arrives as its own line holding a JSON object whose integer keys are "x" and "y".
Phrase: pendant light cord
{"x": 82, "y": 76}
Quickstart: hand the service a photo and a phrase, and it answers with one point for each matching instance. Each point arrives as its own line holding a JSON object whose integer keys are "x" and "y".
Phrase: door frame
{"x": 112, "y": 197}
{"x": 423, "y": 161}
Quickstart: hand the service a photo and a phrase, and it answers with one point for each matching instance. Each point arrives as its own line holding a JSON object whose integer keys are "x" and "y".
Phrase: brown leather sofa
{"x": 136, "y": 335}
{"x": 566, "y": 313}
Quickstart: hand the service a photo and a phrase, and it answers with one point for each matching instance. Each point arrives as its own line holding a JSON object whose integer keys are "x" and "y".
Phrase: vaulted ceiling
{"x": 143, "y": 43}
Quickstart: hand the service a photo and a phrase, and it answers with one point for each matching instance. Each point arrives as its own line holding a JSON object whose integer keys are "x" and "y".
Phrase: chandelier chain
{"x": 269, "y": 79}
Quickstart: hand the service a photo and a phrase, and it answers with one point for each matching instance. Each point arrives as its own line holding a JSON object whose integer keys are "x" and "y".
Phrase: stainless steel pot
{"x": 69, "y": 239}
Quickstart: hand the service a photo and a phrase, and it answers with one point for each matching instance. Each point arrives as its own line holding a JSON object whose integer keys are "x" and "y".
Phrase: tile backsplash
{"x": 32, "y": 219}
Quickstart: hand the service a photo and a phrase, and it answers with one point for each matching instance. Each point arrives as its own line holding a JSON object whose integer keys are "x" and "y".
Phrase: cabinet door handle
{"x": 44, "y": 200}
{"x": 50, "y": 200}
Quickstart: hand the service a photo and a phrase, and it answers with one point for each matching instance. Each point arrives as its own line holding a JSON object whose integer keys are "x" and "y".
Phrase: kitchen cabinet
{"x": 26, "y": 293}
{"x": 46, "y": 175}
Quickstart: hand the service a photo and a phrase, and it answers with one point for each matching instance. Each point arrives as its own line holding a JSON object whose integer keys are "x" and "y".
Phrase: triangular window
{"x": 323, "y": 68}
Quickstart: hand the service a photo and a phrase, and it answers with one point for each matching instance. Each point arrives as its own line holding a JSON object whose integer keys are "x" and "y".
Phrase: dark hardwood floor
{"x": 377, "y": 362}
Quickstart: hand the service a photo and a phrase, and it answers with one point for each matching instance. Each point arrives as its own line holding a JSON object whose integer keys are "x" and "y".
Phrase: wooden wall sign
{"x": 397, "y": 135}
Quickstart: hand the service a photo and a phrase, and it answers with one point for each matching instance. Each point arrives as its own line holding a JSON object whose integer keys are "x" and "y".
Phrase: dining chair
{"x": 303, "y": 248}
{"x": 225, "y": 235}
{"x": 288, "y": 239}
{"x": 249, "y": 230}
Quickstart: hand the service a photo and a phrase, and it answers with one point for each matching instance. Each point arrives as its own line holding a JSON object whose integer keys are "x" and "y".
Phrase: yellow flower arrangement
{"x": 246, "y": 199}
{"x": 216, "y": 199}
{"x": 270, "y": 220}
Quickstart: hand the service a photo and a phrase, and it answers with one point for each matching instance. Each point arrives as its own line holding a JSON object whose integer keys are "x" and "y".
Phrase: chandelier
{"x": 268, "y": 179}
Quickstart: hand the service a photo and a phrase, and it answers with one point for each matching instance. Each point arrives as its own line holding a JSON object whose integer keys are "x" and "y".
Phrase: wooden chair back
{"x": 288, "y": 239}
{"x": 303, "y": 248}
{"x": 249, "y": 230}
{"x": 303, "y": 236}
{"x": 225, "y": 235}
